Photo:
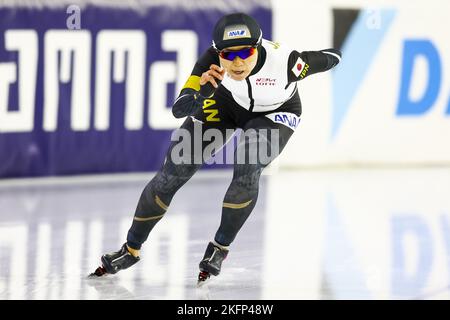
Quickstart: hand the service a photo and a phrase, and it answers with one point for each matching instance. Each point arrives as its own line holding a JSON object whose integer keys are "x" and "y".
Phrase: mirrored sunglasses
{"x": 243, "y": 53}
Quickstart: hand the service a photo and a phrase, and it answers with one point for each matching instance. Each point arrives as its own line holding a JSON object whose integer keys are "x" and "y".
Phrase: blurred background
{"x": 356, "y": 207}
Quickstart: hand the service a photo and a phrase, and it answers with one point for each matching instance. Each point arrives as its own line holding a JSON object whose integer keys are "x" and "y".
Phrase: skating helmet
{"x": 236, "y": 29}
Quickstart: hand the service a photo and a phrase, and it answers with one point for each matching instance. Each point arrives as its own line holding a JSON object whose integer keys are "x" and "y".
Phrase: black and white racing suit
{"x": 266, "y": 101}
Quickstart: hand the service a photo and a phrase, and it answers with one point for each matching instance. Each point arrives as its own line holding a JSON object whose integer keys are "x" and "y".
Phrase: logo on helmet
{"x": 236, "y": 33}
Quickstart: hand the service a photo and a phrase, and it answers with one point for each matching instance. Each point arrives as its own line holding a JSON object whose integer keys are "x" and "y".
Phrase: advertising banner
{"x": 388, "y": 101}
{"x": 89, "y": 89}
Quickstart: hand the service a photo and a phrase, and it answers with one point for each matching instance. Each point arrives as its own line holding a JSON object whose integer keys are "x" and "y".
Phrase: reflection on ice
{"x": 109, "y": 288}
{"x": 358, "y": 234}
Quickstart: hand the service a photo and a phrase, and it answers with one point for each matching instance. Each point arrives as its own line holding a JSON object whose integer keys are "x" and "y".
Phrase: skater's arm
{"x": 197, "y": 87}
{"x": 303, "y": 64}
{"x": 186, "y": 103}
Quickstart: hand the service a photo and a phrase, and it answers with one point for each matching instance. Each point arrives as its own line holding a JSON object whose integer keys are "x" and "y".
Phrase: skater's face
{"x": 238, "y": 61}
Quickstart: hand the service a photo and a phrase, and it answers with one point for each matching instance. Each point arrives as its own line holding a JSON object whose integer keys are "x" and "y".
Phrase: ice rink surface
{"x": 314, "y": 234}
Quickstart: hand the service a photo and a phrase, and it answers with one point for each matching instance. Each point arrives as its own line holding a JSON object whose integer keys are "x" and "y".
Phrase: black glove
{"x": 332, "y": 56}
{"x": 207, "y": 90}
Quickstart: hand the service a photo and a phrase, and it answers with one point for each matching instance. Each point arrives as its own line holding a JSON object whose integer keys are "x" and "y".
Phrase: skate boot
{"x": 116, "y": 261}
{"x": 211, "y": 263}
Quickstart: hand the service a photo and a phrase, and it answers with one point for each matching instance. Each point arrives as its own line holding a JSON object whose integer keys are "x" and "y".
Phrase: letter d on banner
{"x": 411, "y": 50}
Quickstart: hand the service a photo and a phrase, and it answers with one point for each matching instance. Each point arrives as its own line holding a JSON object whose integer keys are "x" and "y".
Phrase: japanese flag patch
{"x": 298, "y": 67}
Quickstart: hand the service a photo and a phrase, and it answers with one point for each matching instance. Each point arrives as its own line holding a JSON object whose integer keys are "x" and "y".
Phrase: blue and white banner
{"x": 388, "y": 101}
{"x": 89, "y": 89}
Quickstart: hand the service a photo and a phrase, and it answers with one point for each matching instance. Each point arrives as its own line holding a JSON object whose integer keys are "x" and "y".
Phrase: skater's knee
{"x": 183, "y": 171}
{"x": 246, "y": 177}
{"x": 152, "y": 201}
{"x": 242, "y": 191}
{"x": 172, "y": 178}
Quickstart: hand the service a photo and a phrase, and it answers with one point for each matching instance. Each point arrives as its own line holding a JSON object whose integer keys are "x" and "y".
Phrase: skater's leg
{"x": 152, "y": 205}
{"x": 155, "y": 200}
{"x": 180, "y": 165}
{"x": 242, "y": 194}
{"x": 157, "y": 195}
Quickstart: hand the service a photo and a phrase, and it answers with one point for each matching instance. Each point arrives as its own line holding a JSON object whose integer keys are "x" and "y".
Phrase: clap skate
{"x": 211, "y": 263}
{"x": 114, "y": 262}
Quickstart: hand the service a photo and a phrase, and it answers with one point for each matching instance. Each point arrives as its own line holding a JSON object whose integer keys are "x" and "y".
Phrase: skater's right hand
{"x": 210, "y": 80}
{"x": 214, "y": 72}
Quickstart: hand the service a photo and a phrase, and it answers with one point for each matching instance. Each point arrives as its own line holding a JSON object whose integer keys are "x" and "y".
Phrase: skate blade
{"x": 202, "y": 283}
{"x": 99, "y": 272}
{"x": 203, "y": 279}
